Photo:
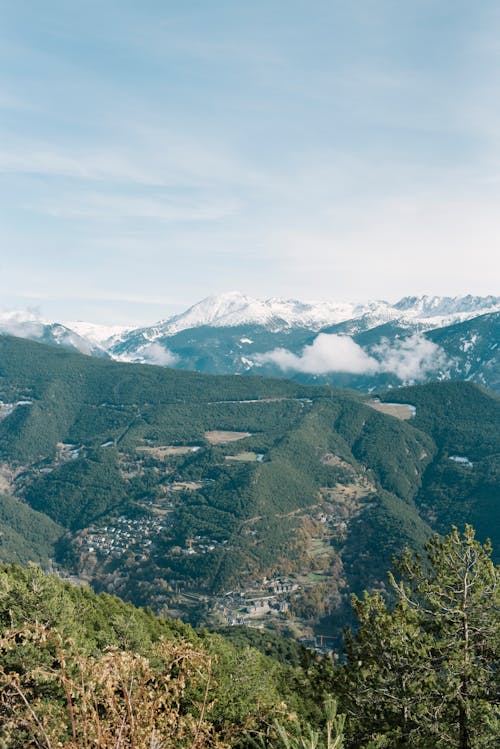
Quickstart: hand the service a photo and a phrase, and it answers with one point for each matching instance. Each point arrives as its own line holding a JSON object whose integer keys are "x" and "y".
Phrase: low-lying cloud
{"x": 327, "y": 353}
{"x": 411, "y": 358}
{"x": 26, "y": 324}
{"x": 155, "y": 353}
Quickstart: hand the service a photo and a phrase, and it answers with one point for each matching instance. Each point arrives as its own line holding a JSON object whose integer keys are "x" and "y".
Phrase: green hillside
{"x": 26, "y": 535}
{"x": 223, "y": 498}
{"x": 462, "y": 482}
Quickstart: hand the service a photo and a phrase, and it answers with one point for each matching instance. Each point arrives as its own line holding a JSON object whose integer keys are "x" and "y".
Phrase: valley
{"x": 227, "y": 500}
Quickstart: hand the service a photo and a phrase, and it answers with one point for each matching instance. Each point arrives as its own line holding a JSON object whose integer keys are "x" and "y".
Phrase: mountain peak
{"x": 446, "y": 307}
{"x": 234, "y": 309}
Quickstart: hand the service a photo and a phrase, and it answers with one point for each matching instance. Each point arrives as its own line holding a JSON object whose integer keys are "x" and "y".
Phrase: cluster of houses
{"x": 121, "y": 535}
{"x": 66, "y": 452}
{"x": 202, "y": 545}
{"x": 246, "y": 608}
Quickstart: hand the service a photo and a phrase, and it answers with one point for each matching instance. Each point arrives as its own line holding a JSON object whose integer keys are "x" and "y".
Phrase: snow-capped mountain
{"x": 473, "y": 347}
{"x": 96, "y": 332}
{"x": 28, "y": 325}
{"x": 234, "y": 309}
{"x": 442, "y": 310}
{"x": 356, "y": 345}
{"x": 365, "y": 346}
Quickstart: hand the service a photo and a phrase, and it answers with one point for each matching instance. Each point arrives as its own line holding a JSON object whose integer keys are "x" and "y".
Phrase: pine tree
{"x": 424, "y": 674}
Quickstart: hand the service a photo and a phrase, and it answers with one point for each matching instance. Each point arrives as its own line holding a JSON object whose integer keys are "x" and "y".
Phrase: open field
{"x": 160, "y": 452}
{"x": 191, "y": 486}
{"x": 244, "y": 457}
{"x": 218, "y": 437}
{"x": 403, "y": 411}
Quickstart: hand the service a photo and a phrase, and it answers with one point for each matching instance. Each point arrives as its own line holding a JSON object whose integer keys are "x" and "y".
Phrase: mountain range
{"x": 363, "y": 346}
{"x": 229, "y": 498}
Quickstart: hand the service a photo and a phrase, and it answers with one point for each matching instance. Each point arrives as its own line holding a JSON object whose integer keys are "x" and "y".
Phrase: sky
{"x": 154, "y": 153}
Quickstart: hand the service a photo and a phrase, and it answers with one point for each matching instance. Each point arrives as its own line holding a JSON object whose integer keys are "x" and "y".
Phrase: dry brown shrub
{"x": 51, "y": 696}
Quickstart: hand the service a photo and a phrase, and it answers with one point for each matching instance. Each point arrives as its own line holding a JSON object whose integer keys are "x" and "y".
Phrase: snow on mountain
{"x": 289, "y": 322}
{"x": 235, "y": 309}
{"x": 29, "y": 325}
{"x": 438, "y": 311}
{"x": 96, "y": 332}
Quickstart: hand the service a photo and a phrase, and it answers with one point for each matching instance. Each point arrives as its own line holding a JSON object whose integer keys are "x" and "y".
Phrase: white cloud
{"x": 133, "y": 155}
{"x": 410, "y": 359}
{"x": 413, "y": 358}
{"x": 27, "y": 324}
{"x": 327, "y": 353}
{"x": 155, "y": 353}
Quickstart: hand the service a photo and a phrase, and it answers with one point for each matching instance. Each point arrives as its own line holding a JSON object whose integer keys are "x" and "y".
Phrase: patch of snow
{"x": 7, "y": 408}
{"x": 97, "y": 333}
{"x": 462, "y": 460}
{"x": 467, "y": 345}
{"x": 33, "y": 327}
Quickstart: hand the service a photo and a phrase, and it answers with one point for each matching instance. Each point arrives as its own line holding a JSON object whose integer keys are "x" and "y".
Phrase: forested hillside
{"x": 130, "y": 674}
{"x": 80, "y": 670}
{"x": 230, "y": 499}
{"x": 462, "y": 482}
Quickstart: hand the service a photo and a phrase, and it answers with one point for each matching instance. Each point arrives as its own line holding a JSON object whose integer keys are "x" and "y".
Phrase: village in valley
{"x": 143, "y": 534}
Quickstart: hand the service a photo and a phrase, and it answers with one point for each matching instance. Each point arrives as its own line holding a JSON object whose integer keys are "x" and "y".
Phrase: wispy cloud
{"x": 31, "y": 158}
{"x": 351, "y": 153}
{"x": 410, "y": 359}
{"x": 139, "y": 155}
{"x": 104, "y": 206}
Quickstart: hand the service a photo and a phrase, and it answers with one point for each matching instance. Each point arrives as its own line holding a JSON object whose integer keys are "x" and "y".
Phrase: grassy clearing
{"x": 245, "y": 457}
{"x": 190, "y": 486}
{"x": 402, "y": 411}
{"x": 319, "y": 546}
{"x": 160, "y": 452}
{"x": 220, "y": 437}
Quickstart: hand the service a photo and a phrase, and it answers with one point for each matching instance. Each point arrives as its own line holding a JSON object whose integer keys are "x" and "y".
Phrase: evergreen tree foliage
{"x": 81, "y": 670}
{"x": 424, "y": 673}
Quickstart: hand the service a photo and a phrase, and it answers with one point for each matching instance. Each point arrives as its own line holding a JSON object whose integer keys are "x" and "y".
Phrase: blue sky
{"x": 153, "y": 153}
